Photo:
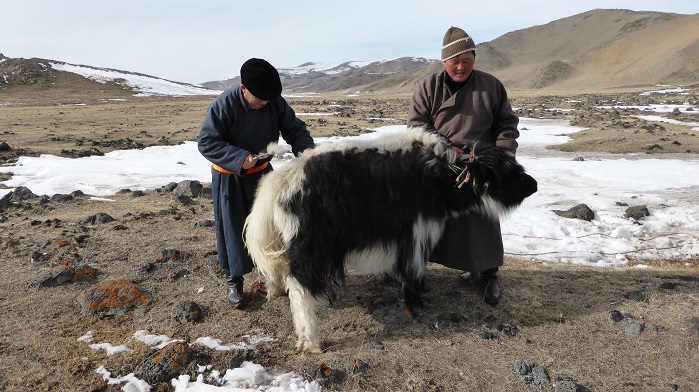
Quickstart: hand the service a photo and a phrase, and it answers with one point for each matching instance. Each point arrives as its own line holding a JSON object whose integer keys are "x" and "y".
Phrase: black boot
{"x": 234, "y": 291}
{"x": 490, "y": 286}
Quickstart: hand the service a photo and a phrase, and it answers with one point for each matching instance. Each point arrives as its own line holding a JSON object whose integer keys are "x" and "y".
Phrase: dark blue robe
{"x": 231, "y": 131}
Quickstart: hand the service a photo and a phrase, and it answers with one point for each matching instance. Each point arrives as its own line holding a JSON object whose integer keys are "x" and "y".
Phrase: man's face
{"x": 459, "y": 68}
{"x": 253, "y": 102}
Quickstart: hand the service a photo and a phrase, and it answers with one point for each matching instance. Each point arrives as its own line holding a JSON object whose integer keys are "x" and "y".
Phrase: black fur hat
{"x": 261, "y": 79}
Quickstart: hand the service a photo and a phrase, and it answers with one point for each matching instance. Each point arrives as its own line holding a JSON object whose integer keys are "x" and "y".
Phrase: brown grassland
{"x": 557, "y": 316}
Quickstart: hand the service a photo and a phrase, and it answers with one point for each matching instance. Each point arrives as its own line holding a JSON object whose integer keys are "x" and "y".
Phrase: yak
{"x": 376, "y": 206}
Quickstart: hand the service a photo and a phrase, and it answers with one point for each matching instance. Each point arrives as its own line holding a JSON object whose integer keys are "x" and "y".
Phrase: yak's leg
{"x": 412, "y": 293}
{"x": 304, "y": 307}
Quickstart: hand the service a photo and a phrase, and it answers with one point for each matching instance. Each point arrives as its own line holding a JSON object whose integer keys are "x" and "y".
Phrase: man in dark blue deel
{"x": 239, "y": 124}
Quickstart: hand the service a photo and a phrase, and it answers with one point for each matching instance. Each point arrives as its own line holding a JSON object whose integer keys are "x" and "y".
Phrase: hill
{"x": 597, "y": 50}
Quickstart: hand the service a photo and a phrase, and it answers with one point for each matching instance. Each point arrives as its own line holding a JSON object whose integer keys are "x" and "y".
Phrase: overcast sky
{"x": 203, "y": 40}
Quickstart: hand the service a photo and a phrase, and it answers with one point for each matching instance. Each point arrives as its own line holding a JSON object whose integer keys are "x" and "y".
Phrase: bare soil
{"x": 556, "y": 316}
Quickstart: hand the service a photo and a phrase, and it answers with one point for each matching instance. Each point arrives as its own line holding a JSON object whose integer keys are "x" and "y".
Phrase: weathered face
{"x": 252, "y": 101}
{"x": 459, "y": 68}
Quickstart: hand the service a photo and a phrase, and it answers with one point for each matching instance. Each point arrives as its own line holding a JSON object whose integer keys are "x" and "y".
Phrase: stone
{"x": 187, "y": 311}
{"x": 580, "y": 211}
{"x": 165, "y": 364}
{"x": 113, "y": 297}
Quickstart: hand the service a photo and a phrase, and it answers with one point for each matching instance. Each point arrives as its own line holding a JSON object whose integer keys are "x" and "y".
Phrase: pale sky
{"x": 205, "y": 40}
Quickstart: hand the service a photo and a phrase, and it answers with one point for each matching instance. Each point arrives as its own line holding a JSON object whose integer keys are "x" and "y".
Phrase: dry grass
{"x": 560, "y": 312}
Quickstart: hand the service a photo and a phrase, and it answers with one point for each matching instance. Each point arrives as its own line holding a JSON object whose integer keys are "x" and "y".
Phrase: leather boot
{"x": 490, "y": 286}
{"x": 234, "y": 291}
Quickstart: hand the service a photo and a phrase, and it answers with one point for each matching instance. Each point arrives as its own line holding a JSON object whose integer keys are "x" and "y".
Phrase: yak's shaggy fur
{"x": 376, "y": 206}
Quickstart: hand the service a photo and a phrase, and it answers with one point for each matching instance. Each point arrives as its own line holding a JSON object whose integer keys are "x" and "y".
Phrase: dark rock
{"x": 324, "y": 375}
{"x": 652, "y": 147}
{"x": 177, "y": 275}
{"x": 21, "y": 193}
{"x": 187, "y": 311}
{"x": 634, "y": 329}
{"x": 636, "y": 296}
{"x": 616, "y": 316}
{"x": 354, "y": 365}
{"x": 669, "y": 285}
{"x": 61, "y": 198}
{"x": 82, "y": 153}
{"x": 62, "y": 274}
{"x": 168, "y": 188}
{"x": 172, "y": 255}
{"x": 184, "y": 199}
{"x": 580, "y": 211}
{"x": 98, "y": 218}
{"x": 113, "y": 297}
{"x": 205, "y": 192}
{"x": 487, "y": 335}
{"x": 205, "y": 223}
{"x": 565, "y": 385}
{"x": 57, "y": 276}
{"x": 239, "y": 358}
{"x": 637, "y": 212}
{"x": 165, "y": 364}
{"x": 189, "y": 188}
{"x": 532, "y": 374}
{"x": 4, "y": 146}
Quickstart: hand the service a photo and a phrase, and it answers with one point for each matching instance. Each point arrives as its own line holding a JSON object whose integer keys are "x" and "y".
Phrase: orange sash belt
{"x": 253, "y": 169}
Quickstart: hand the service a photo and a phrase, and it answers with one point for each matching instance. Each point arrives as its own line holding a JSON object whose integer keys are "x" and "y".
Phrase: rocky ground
{"x": 146, "y": 260}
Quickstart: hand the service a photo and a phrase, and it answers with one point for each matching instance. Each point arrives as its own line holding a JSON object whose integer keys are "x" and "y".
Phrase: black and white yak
{"x": 372, "y": 206}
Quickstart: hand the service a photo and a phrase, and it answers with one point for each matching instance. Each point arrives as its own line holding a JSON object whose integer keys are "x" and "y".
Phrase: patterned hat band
{"x": 457, "y": 47}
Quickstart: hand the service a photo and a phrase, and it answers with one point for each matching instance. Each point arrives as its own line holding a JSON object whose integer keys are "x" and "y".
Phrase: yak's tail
{"x": 264, "y": 234}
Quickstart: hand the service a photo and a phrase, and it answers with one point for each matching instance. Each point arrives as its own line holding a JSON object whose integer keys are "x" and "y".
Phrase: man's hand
{"x": 457, "y": 150}
{"x": 248, "y": 162}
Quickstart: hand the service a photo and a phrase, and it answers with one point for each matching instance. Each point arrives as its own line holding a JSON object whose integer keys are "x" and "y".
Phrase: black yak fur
{"x": 376, "y": 206}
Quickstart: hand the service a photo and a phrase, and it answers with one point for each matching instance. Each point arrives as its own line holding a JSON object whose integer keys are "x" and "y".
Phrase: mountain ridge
{"x": 598, "y": 49}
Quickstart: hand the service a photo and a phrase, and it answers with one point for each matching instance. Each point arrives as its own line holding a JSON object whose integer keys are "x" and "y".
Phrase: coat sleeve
{"x": 505, "y": 123}
{"x": 212, "y": 141}
{"x": 420, "y": 111}
{"x": 293, "y": 130}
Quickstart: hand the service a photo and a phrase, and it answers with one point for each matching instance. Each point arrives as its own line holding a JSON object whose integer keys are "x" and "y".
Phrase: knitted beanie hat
{"x": 455, "y": 42}
{"x": 261, "y": 79}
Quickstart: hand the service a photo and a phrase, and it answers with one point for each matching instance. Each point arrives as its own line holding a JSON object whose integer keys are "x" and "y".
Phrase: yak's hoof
{"x": 414, "y": 311}
{"x": 312, "y": 348}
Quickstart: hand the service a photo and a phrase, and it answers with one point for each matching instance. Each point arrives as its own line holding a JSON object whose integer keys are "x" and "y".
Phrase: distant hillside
{"x": 71, "y": 79}
{"x": 598, "y": 49}
{"x": 348, "y": 76}
{"x": 594, "y": 50}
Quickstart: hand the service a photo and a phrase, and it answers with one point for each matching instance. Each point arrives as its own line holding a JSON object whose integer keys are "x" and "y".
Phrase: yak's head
{"x": 494, "y": 177}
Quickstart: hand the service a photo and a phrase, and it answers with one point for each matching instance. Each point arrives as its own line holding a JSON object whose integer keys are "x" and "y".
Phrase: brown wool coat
{"x": 479, "y": 111}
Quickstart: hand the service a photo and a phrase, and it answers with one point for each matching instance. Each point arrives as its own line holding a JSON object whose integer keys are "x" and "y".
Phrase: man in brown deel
{"x": 467, "y": 106}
